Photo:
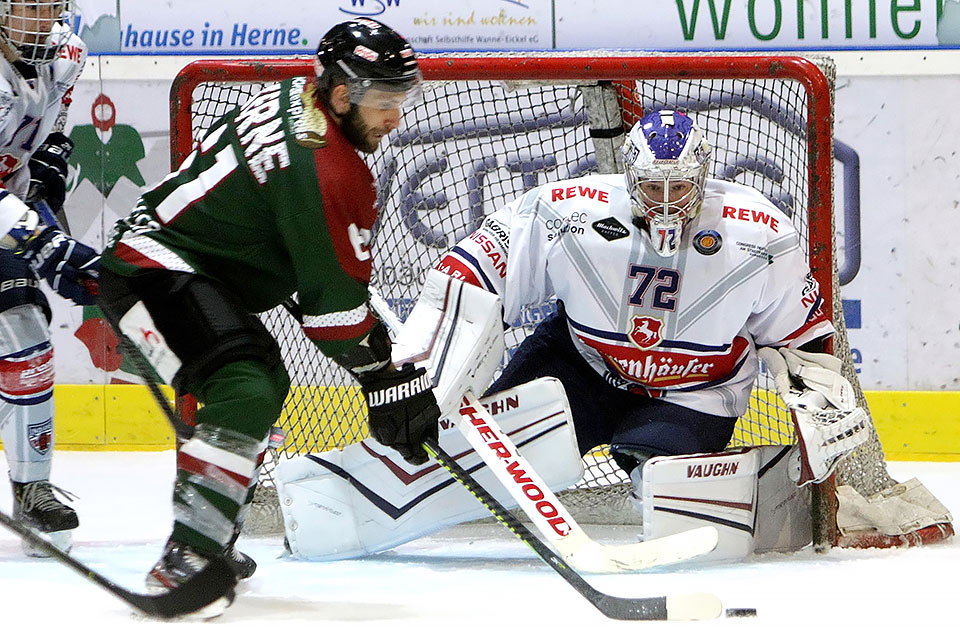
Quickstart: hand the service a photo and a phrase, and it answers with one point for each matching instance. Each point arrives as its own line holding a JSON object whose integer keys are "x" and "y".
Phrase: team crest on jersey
{"x": 40, "y": 436}
{"x": 8, "y": 164}
{"x": 707, "y": 242}
{"x": 309, "y": 122}
{"x": 646, "y": 332}
{"x": 610, "y": 229}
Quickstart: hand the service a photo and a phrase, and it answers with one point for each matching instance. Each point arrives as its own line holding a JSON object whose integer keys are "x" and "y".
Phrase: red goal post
{"x": 491, "y": 121}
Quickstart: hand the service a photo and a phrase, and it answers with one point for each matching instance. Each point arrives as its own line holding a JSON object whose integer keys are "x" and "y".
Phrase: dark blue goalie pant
{"x": 635, "y": 426}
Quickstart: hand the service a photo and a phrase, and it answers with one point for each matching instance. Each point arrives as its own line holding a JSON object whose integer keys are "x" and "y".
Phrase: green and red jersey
{"x": 274, "y": 201}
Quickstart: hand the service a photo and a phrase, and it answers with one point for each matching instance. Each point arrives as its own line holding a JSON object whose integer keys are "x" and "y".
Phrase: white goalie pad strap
{"x": 455, "y": 331}
{"x": 903, "y": 508}
{"x": 365, "y": 498}
{"x": 686, "y": 492}
{"x": 138, "y": 326}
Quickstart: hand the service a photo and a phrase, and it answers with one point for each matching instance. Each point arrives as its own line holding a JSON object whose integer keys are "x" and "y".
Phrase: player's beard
{"x": 357, "y": 131}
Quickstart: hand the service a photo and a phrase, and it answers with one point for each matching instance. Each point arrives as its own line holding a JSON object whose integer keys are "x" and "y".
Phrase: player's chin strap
{"x": 828, "y": 422}
{"x": 455, "y": 332}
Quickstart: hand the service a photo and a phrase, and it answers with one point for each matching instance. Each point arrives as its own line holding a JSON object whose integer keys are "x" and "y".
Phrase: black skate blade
{"x": 215, "y": 581}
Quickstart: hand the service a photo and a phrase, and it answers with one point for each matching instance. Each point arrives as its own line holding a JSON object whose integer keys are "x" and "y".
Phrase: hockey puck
{"x": 741, "y": 613}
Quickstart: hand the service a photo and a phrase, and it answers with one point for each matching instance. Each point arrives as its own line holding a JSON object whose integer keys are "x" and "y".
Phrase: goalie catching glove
{"x": 402, "y": 408}
{"x": 828, "y": 422}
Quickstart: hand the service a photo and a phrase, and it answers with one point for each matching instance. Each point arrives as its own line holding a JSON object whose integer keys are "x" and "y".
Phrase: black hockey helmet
{"x": 367, "y": 55}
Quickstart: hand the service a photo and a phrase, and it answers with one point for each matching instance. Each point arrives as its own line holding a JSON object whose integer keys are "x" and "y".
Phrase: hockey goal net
{"x": 491, "y": 127}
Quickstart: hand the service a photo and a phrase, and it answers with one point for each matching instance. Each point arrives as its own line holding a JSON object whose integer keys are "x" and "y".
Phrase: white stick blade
{"x": 593, "y": 557}
{"x": 694, "y": 606}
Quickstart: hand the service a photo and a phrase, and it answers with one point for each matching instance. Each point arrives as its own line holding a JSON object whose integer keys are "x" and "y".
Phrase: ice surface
{"x": 474, "y": 581}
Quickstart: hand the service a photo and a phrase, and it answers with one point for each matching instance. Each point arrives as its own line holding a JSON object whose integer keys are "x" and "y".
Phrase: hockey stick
{"x": 215, "y": 581}
{"x": 543, "y": 507}
{"x": 683, "y": 607}
{"x": 553, "y": 520}
{"x": 694, "y": 606}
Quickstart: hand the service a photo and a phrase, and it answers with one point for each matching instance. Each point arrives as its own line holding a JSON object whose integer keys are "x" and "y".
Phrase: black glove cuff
{"x": 56, "y": 144}
{"x": 370, "y": 356}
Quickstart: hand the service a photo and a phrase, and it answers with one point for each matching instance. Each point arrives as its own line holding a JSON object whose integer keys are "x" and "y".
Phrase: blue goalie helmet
{"x": 667, "y": 159}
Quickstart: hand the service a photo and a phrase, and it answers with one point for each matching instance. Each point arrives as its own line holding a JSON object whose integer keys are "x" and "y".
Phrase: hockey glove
{"x": 48, "y": 171}
{"x": 403, "y": 410}
{"x": 71, "y": 268}
{"x": 828, "y": 422}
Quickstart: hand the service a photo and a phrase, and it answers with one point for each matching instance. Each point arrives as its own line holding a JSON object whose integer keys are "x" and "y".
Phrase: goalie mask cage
{"x": 491, "y": 127}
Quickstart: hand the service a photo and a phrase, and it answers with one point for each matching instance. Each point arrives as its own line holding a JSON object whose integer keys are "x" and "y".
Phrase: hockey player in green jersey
{"x": 274, "y": 202}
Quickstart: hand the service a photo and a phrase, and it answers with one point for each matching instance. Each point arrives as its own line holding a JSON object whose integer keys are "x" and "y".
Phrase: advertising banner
{"x": 746, "y": 24}
{"x": 244, "y": 27}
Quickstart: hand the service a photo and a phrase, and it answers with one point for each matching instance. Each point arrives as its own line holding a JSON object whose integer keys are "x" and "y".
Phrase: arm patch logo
{"x": 707, "y": 242}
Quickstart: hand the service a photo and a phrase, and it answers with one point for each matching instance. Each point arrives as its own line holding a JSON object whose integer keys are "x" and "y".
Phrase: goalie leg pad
{"x": 365, "y": 498}
{"x": 685, "y": 492}
{"x": 750, "y": 495}
{"x": 784, "y": 516}
{"x": 893, "y": 517}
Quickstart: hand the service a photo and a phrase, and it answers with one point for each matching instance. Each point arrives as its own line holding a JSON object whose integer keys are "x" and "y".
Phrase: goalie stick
{"x": 694, "y": 606}
{"x": 213, "y": 582}
{"x": 543, "y": 507}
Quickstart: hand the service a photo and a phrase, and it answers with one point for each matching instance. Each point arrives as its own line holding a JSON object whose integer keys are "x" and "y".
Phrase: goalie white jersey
{"x": 683, "y": 328}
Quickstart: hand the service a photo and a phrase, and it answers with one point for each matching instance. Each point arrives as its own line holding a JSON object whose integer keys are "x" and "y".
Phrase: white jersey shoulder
{"x": 69, "y": 65}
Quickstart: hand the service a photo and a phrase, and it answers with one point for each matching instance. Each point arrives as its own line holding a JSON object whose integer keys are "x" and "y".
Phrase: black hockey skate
{"x": 179, "y": 563}
{"x": 36, "y": 506}
{"x": 243, "y": 565}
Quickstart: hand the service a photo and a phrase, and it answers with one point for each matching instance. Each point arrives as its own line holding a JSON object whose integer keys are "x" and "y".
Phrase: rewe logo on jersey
{"x": 646, "y": 332}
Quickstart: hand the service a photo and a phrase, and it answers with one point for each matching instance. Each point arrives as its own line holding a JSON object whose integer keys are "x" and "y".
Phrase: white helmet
{"x": 667, "y": 159}
{"x": 36, "y": 29}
